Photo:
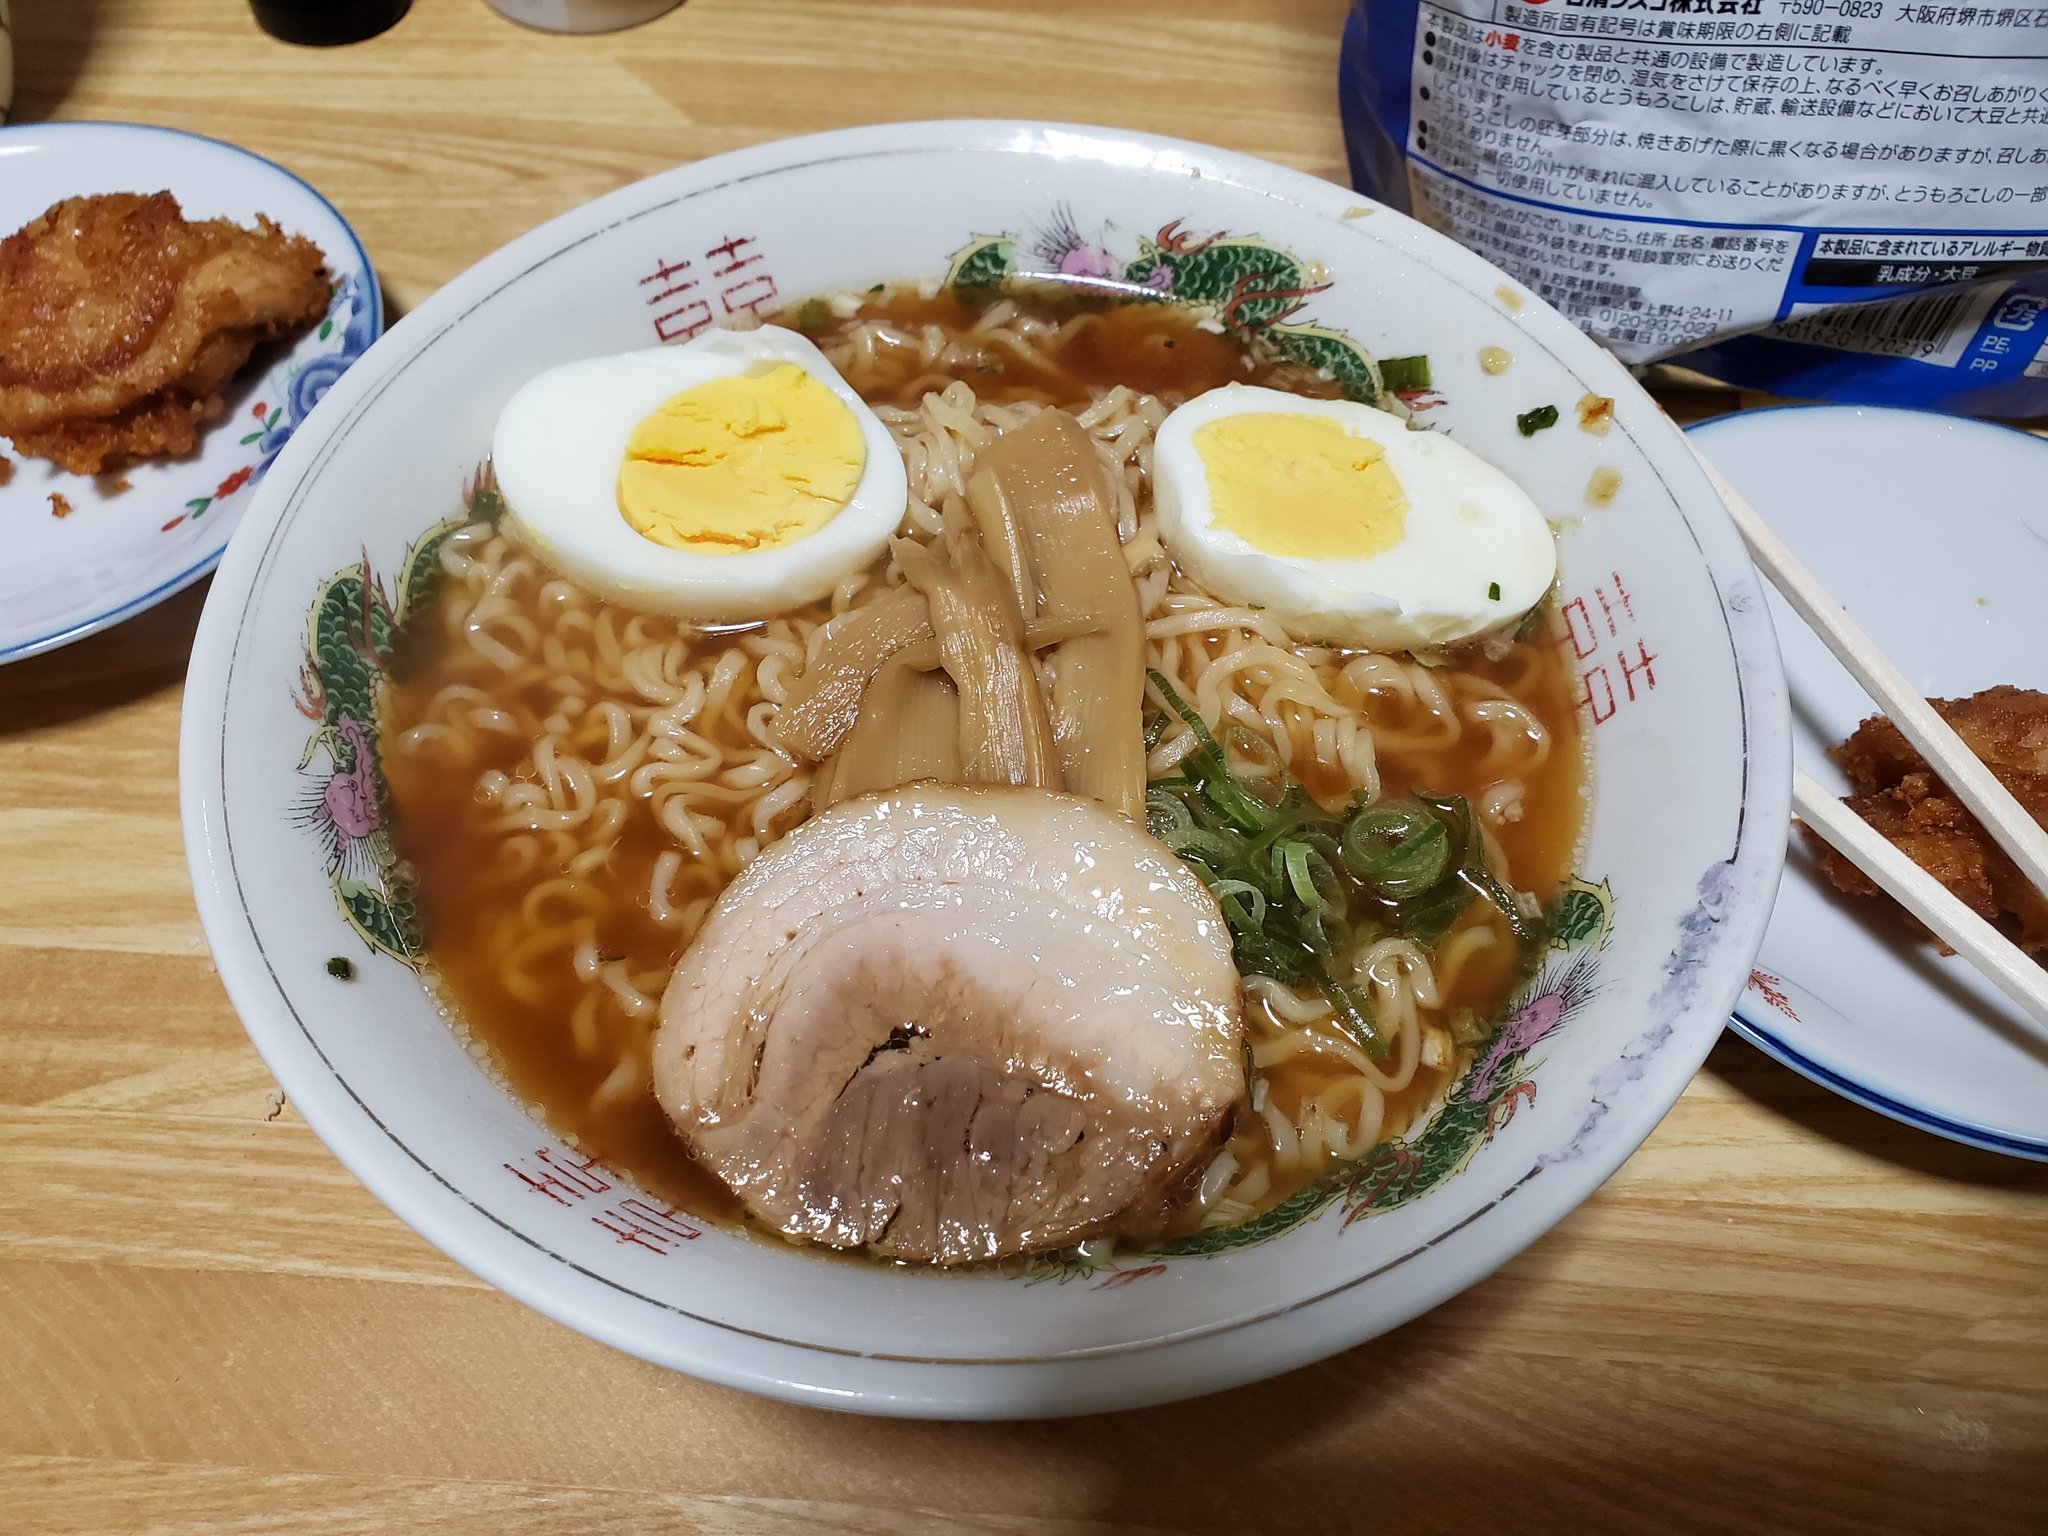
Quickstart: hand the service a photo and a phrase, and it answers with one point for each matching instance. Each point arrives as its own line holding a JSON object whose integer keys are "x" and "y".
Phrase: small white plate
{"x": 120, "y": 551}
{"x": 1933, "y": 533}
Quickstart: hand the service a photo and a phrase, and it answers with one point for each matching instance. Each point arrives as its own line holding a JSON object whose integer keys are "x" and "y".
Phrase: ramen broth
{"x": 503, "y": 925}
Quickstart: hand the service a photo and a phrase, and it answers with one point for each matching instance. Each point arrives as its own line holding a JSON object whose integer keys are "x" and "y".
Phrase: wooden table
{"x": 1783, "y": 1314}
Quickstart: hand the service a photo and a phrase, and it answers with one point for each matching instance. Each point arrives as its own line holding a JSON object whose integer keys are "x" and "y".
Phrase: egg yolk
{"x": 1302, "y": 486}
{"x": 745, "y": 462}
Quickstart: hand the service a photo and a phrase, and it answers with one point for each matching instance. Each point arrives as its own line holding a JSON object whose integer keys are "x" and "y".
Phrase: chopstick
{"x": 1998, "y": 959}
{"x": 1932, "y": 737}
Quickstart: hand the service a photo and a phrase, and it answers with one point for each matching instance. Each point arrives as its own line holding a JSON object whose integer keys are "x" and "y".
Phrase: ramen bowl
{"x": 314, "y": 928}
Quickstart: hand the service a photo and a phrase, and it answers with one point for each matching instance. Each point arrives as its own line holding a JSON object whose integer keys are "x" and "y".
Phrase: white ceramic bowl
{"x": 1683, "y": 700}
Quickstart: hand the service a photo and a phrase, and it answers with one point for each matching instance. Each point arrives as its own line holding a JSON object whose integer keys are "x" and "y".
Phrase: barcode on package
{"x": 1927, "y": 327}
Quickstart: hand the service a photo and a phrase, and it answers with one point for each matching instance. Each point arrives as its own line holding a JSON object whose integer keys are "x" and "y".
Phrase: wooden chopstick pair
{"x": 2001, "y": 962}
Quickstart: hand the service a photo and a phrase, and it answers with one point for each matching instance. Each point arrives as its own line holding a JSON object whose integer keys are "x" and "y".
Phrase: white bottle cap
{"x": 583, "y": 15}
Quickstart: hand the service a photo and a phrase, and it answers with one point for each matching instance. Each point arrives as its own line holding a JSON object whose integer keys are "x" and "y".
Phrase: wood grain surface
{"x": 1783, "y": 1314}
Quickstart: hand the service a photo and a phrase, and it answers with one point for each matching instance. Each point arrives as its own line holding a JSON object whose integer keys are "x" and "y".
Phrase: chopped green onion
{"x": 812, "y": 314}
{"x": 1354, "y": 1012}
{"x": 1428, "y": 917}
{"x": 1207, "y": 768}
{"x": 1243, "y": 891}
{"x": 1493, "y": 590}
{"x": 1301, "y": 885}
{"x": 1164, "y": 814}
{"x": 1472, "y": 866}
{"x": 1495, "y": 890}
{"x": 1213, "y": 848}
{"x": 1397, "y": 848}
{"x": 1404, "y": 375}
{"x": 1294, "y": 857}
{"x": 1529, "y": 423}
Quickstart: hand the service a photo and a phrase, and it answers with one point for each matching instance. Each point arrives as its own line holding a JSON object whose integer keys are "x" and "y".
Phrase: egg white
{"x": 1468, "y": 526}
{"x": 562, "y": 437}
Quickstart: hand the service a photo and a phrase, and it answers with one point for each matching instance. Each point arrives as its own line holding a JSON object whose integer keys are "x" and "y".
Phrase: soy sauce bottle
{"x": 325, "y": 23}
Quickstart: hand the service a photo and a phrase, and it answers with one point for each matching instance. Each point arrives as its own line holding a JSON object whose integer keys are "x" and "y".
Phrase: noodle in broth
{"x": 576, "y": 782}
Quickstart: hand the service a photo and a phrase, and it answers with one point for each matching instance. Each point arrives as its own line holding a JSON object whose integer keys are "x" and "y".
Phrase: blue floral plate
{"x": 85, "y": 552}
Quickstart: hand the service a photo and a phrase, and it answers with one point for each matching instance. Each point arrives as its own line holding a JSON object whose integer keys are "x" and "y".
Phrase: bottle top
{"x": 327, "y": 23}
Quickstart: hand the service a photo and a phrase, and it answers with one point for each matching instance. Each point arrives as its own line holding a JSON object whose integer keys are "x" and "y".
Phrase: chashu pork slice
{"x": 955, "y": 1024}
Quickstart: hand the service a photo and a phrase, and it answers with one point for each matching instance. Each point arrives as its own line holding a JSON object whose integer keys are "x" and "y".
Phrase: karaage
{"x": 121, "y": 322}
{"x": 2006, "y": 727}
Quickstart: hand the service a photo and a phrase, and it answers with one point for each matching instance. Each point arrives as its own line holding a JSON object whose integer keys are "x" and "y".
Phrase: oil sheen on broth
{"x": 549, "y": 965}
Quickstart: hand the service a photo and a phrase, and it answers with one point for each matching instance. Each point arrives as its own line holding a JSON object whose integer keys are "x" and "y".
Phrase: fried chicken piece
{"x": 1931, "y": 828}
{"x": 2008, "y": 728}
{"x": 160, "y": 425}
{"x": 121, "y": 322}
{"x": 1897, "y": 794}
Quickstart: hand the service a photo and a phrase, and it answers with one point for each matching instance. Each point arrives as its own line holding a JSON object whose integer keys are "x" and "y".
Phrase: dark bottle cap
{"x": 324, "y": 23}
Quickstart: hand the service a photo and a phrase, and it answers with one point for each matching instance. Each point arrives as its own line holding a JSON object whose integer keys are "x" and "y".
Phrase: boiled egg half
{"x": 1344, "y": 525}
{"x": 730, "y": 478}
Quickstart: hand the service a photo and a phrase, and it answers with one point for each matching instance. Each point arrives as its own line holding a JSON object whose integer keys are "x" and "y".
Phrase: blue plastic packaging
{"x": 1844, "y": 201}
